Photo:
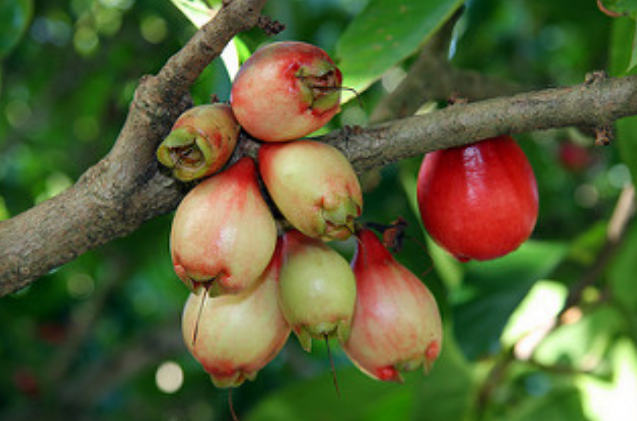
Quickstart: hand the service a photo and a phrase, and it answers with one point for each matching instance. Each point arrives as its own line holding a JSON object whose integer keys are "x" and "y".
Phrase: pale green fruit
{"x": 317, "y": 289}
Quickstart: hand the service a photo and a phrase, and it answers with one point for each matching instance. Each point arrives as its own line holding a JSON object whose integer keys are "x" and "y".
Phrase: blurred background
{"x": 548, "y": 332}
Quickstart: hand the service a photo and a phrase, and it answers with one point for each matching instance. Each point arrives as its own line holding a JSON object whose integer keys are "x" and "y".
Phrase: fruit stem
{"x": 231, "y": 406}
{"x": 329, "y": 355}
{"x": 200, "y": 311}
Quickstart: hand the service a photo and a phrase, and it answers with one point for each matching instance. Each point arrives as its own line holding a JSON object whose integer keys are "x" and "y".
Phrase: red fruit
{"x": 235, "y": 336}
{"x": 317, "y": 289}
{"x": 201, "y": 142}
{"x": 396, "y": 325}
{"x": 478, "y": 201}
{"x": 286, "y": 90}
{"x": 223, "y": 231}
{"x": 574, "y": 157}
{"x": 314, "y": 186}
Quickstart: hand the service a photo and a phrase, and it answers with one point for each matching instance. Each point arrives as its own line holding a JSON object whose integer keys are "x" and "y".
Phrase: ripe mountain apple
{"x": 396, "y": 325}
{"x": 286, "y": 90}
{"x": 478, "y": 201}
{"x": 223, "y": 234}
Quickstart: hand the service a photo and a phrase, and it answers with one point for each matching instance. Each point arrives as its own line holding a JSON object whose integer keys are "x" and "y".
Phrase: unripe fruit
{"x": 317, "y": 289}
{"x": 235, "y": 336}
{"x": 223, "y": 232}
{"x": 286, "y": 90}
{"x": 314, "y": 186}
{"x": 478, "y": 201}
{"x": 201, "y": 142}
{"x": 396, "y": 325}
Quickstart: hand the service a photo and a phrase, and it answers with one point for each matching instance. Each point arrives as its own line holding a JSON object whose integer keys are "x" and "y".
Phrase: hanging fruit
{"x": 396, "y": 325}
{"x": 478, "y": 201}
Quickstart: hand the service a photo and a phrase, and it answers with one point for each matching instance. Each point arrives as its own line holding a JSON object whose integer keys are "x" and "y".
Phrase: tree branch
{"x": 125, "y": 189}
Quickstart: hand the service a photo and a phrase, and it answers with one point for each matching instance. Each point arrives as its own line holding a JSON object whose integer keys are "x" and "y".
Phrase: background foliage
{"x": 99, "y": 338}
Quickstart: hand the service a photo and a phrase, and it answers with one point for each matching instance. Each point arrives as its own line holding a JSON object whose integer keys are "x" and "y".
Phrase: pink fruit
{"x": 234, "y": 336}
{"x": 223, "y": 232}
{"x": 478, "y": 201}
{"x": 286, "y": 90}
{"x": 317, "y": 289}
{"x": 396, "y": 325}
{"x": 314, "y": 186}
{"x": 201, "y": 142}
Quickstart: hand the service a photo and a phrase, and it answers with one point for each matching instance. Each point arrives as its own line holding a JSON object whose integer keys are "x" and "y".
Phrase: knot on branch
{"x": 270, "y": 26}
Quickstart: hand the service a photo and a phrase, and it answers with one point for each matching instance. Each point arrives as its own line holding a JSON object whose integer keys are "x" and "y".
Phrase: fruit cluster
{"x": 255, "y": 278}
{"x": 252, "y": 281}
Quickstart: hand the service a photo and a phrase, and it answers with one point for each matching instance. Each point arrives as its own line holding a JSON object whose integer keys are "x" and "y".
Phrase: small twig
{"x": 270, "y": 26}
{"x": 607, "y": 11}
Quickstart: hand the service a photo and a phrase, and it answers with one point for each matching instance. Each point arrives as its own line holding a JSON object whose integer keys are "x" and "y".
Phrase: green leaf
{"x": 386, "y": 33}
{"x": 583, "y": 344}
{"x": 621, "y": 273}
{"x": 445, "y": 394}
{"x": 562, "y": 404}
{"x": 622, "y": 58}
{"x": 197, "y": 11}
{"x": 16, "y": 15}
{"x": 633, "y": 56}
{"x": 492, "y": 290}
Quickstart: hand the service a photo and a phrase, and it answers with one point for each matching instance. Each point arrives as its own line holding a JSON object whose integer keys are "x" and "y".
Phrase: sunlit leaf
{"x": 386, "y": 33}
{"x": 197, "y": 11}
{"x": 613, "y": 400}
{"x": 583, "y": 341}
{"x": 536, "y": 312}
{"x": 16, "y": 15}
{"x": 493, "y": 289}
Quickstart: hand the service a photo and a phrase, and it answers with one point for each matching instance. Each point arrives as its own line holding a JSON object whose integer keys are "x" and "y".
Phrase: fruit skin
{"x": 223, "y": 231}
{"x": 200, "y": 142}
{"x": 396, "y": 325}
{"x": 314, "y": 186}
{"x": 235, "y": 336}
{"x": 317, "y": 289}
{"x": 478, "y": 201}
{"x": 286, "y": 90}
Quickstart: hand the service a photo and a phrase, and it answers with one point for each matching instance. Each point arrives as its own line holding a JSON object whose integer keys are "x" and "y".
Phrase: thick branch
{"x": 125, "y": 189}
{"x": 594, "y": 104}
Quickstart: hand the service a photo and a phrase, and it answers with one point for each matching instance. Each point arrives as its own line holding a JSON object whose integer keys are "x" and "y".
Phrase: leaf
{"x": 561, "y": 404}
{"x": 633, "y": 56}
{"x": 614, "y": 399}
{"x": 584, "y": 343}
{"x": 386, "y": 33}
{"x": 622, "y": 55}
{"x": 197, "y": 11}
{"x": 445, "y": 394}
{"x": 16, "y": 15}
{"x": 492, "y": 290}
{"x": 621, "y": 273}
